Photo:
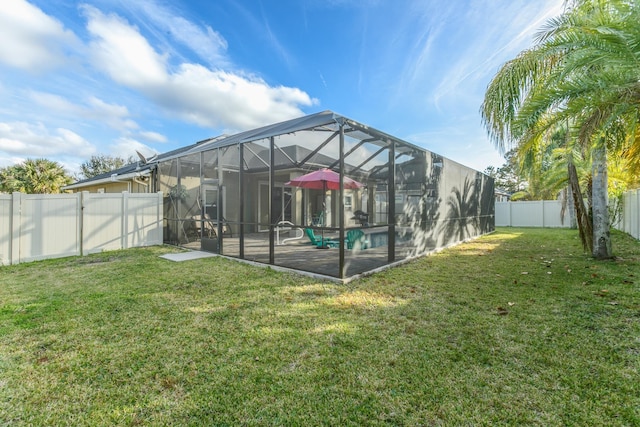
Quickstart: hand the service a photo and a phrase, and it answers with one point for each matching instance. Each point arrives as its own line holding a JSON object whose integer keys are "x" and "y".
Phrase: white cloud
{"x": 193, "y": 92}
{"x": 116, "y": 116}
{"x": 153, "y": 136}
{"x": 113, "y": 115}
{"x": 120, "y": 50}
{"x": 21, "y": 139}
{"x": 45, "y": 122}
{"x": 126, "y": 147}
{"x": 222, "y": 99}
{"x": 429, "y": 24}
{"x": 32, "y": 40}
{"x": 495, "y": 42}
{"x": 10, "y": 160}
{"x": 62, "y": 106}
{"x": 207, "y": 43}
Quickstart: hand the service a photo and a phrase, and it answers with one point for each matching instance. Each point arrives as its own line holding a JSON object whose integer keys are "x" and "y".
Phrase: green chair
{"x": 319, "y": 241}
{"x": 356, "y": 240}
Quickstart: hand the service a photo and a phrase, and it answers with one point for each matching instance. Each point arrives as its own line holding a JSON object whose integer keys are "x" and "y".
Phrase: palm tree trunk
{"x": 585, "y": 227}
{"x": 601, "y": 235}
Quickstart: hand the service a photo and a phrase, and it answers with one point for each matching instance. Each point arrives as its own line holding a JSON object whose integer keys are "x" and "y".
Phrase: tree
{"x": 34, "y": 176}
{"x": 523, "y": 176}
{"x": 102, "y": 163}
{"x": 508, "y": 177}
{"x": 581, "y": 72}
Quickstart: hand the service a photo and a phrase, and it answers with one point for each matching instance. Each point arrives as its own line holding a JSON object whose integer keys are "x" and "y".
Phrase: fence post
{"x": 80, "y": 216}
{"x": 510, "y": 214}
{"x": 544, "y": 214}
{"x": 125, "y": 220}
{"x": 16, "y": 223}
{"x": 159, "y": 219}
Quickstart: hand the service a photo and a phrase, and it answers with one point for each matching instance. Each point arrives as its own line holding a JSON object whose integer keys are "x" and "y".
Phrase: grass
{"x": 519, "y": 327}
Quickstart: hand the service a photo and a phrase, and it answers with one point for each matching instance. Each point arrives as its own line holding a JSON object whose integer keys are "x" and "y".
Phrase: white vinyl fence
{"x": 539, "y": 213}
{"x": 547, "y": 214}
{"x": 41, "y": 226}
{"x": 630, "y": 221}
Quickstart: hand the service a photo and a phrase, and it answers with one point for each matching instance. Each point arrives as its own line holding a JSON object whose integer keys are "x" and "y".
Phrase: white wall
{"x": 37, "y": 226}
{"x": 539, "y": 213}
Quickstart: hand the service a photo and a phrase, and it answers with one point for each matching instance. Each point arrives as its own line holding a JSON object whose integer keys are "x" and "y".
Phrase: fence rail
{"x": 41, "y": 226}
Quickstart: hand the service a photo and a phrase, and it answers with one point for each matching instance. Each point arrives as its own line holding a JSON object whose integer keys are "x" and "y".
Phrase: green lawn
{"x": 519, "y": 327}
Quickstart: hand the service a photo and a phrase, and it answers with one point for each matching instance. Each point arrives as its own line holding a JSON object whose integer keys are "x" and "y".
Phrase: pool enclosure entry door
{"x": 212, "y": 207}
{"x": 211, "y": 201}
{"x": 281, "y": 199}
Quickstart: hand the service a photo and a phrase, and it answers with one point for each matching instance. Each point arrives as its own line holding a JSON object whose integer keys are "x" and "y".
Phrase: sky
{"x": 83, "y": 78}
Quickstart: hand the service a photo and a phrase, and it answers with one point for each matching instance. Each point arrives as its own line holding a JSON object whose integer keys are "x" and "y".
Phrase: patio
{"x": 302, "y": 255}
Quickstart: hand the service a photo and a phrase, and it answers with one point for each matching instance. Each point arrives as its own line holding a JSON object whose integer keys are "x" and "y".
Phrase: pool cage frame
{"x": 227, "y": 195}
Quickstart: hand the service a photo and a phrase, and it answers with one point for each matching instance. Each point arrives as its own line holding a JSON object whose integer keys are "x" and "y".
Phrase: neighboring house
{"x": 230, "y": 195}
{"x": 138, "y": 177}
{"x": 134, "y": 178}
{"x": 502, "y": 195}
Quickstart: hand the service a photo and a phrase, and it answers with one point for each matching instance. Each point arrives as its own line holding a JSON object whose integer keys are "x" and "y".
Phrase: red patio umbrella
{"x": 323, "y": 179}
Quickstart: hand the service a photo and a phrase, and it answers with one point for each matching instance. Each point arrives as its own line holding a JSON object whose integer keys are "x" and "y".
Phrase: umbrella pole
{"x": 324, "y": 213}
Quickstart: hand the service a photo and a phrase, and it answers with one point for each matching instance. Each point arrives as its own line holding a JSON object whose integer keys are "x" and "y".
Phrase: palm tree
{"x": 34, "y": 176}
{"x": 583, "y": 70}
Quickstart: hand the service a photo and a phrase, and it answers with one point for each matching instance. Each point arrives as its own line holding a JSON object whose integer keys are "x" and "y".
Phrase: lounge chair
{"x": 356, "y": 240}
{"x": 318, "y": 241}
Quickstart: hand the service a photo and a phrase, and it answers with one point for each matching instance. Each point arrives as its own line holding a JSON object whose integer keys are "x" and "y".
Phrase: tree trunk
{"x": 601, "y": 236}
{"x": 585, "y": 226}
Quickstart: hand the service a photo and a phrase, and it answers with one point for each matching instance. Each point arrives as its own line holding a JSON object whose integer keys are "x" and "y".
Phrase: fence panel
{"x": 503, "y": 214}
{"x": 40, "y": 226}
{"x": 553, "y": 215}
{"x": 102, "y": 222}
{"x": 49, "y": 226}
{"x": 539, "y": 213}
{"x": 142, "y": 220}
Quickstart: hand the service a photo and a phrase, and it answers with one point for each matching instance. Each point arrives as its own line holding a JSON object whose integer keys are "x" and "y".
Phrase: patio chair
{"x": 210, "y": 226}
{"x": 318, "y": 241}
{"x": 318, "y": 219}
{"x": 356, "y": 240}
{"x": 204, "y": 224}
